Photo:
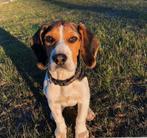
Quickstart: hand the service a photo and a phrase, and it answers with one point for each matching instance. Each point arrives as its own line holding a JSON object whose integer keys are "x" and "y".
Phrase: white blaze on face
{"x": 61, "y": 48}
{"x": 61, "y": 33}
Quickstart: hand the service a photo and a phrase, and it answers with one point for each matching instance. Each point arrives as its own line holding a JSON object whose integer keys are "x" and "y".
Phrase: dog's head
{"x": 59, "y": 44}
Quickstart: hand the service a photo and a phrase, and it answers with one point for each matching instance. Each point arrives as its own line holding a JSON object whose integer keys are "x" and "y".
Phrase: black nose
{"x": 59, "y": 59}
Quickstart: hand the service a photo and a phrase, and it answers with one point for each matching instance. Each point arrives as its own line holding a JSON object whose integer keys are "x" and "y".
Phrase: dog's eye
{"x": 50, "y": 39}
{"x": 72, "y": 39}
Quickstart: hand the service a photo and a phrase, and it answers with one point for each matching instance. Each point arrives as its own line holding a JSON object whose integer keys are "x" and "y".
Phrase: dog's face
{"x": 60, "y": 43}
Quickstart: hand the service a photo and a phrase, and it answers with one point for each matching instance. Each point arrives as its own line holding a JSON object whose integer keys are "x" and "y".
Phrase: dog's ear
{"x": 89, "y": 46}
{"x": 39, "y": 48}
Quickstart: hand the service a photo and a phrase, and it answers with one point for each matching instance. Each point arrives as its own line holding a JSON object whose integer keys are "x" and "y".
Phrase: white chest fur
{"x": 74, "y": 93}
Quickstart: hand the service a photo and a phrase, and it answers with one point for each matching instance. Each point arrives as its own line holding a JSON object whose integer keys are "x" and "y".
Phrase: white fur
{"x": 62, "y": 96}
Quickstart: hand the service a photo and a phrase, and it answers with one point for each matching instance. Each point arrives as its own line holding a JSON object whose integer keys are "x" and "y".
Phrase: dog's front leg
{"x": 80, "y": 129}
{"x": 56, "y": 110}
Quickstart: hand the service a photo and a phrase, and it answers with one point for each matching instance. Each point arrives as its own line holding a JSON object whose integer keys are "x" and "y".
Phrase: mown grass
{"x": 118, "y": 84}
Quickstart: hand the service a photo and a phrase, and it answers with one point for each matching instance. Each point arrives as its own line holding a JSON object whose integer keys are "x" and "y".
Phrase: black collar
{"x": 79, "y": 75}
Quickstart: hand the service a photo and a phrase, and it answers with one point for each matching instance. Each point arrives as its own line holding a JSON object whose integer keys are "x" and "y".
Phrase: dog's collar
{"x": 79, "y": 75}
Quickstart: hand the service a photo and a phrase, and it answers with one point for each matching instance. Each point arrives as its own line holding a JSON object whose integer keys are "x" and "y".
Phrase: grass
{"x": 118, "y": 84}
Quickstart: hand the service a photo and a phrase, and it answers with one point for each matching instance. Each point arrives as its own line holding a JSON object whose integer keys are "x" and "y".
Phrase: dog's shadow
{"x": 23, "y": 59}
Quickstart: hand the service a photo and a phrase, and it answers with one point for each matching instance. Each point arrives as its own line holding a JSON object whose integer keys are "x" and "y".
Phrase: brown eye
{"x": 50, "y": 39}
{"x": 73, "y": 39}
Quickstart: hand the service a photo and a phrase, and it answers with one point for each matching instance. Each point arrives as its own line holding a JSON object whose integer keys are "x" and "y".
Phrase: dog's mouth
{"x": 61, "y": 67}
{"x": 66, "y": 67}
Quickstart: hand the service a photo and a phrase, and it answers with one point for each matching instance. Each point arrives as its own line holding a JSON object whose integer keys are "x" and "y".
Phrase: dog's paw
{"x": 59, "y": 134}
{"x": 84, "y": 134}
{"x": 90, "y": 115}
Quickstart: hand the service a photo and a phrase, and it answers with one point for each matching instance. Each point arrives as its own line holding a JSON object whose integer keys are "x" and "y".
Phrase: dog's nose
{"x": 59, "y": 59}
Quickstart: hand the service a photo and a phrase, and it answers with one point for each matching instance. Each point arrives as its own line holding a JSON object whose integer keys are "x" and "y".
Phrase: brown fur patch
{"x": 89, "y": 46}
{"x": 37, "y": 46}
{"x": 54, "y": 33}
{"x": 70, "y": 30}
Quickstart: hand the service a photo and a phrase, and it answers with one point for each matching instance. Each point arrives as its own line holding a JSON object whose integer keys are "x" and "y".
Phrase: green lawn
{"x": 118, "y": 84}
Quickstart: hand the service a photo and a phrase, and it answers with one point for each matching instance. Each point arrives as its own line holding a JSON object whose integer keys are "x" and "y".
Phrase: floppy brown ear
{"x": 89, "y": 46}
{"x": 38, "y": 47}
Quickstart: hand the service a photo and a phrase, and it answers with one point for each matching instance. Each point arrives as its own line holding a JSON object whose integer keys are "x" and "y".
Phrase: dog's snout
{"x": 59, "y": 59}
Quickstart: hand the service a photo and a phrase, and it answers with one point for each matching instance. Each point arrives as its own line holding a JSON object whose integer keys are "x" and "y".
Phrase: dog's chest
{"x": 68, "y": 95}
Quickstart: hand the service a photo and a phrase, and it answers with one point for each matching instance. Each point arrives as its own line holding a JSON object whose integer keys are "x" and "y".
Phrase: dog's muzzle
{"x": 79, "y": 73}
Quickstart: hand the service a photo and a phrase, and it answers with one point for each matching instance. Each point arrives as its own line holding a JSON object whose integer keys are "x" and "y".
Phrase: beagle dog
{"x": 58, "y": 47}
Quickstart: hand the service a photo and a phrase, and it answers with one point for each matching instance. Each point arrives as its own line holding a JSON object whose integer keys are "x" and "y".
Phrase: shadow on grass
{"x": 22, "y": 57}
{"x": 108, "y": 11}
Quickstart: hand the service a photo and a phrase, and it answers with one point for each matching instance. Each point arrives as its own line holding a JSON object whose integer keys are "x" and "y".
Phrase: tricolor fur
{"x": 67, "y": 40}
